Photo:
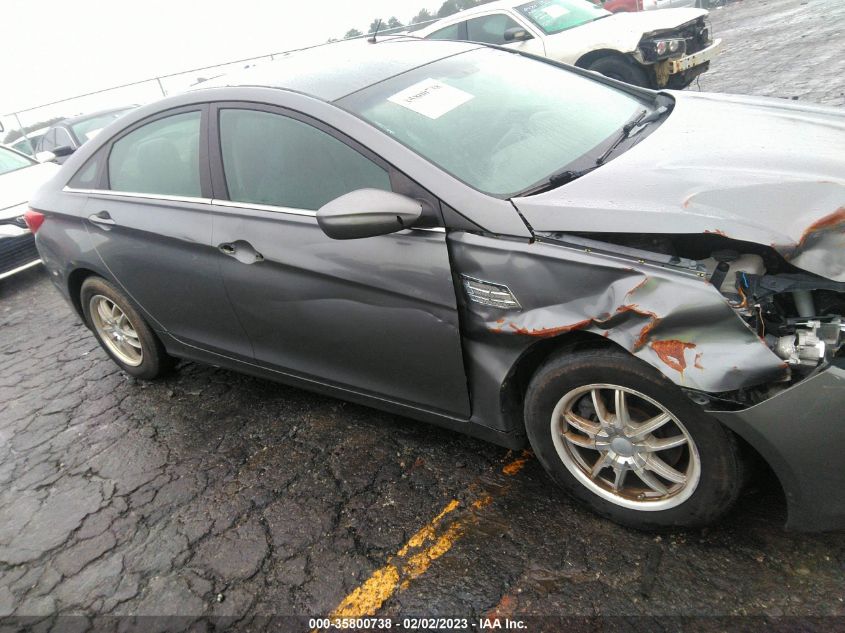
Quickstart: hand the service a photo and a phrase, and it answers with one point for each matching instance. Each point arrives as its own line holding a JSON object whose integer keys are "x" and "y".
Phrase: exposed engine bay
{"x": 799, "y": 315}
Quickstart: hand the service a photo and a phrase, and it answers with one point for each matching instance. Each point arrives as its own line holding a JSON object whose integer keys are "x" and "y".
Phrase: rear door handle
{"x": 102, "y": 217}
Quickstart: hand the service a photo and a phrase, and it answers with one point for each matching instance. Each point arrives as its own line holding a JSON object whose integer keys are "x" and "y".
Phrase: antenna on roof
{"x": 372, "y": 40}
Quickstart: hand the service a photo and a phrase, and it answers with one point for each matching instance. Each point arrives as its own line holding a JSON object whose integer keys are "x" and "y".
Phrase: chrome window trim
{"x": 134, "y": 194}
{"x": 291, "y": 211}
{"x": 213, "y": 202}
{"x": 263, "y": 207}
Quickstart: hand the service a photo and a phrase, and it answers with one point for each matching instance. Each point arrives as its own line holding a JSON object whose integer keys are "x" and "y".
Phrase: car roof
{"x": 39, "y": 131}
{"x": 460, "y": 16}
{"x": 89, "y": 115}
{"x": 332, "y": 71}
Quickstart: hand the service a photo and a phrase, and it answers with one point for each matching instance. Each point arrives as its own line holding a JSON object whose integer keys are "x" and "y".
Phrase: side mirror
{"x": 63, "y": 150}
{"x": 45, "y": 157}
{"x": 517, "y": 34}
{"x": 366, "y": 213}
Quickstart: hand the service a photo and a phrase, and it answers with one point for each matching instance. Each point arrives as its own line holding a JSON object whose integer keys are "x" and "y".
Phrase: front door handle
{"x": 102, "y": 217}
{"x": 243, "y": 251}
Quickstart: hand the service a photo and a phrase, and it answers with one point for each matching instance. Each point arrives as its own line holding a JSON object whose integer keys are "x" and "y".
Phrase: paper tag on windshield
{"x": 554, "y": 11}
{"x": 430, "y": 98}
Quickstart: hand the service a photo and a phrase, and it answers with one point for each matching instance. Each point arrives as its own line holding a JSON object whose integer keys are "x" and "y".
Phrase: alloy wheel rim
{"x": 116, "y": 330}
{"x": 625, "y": 447}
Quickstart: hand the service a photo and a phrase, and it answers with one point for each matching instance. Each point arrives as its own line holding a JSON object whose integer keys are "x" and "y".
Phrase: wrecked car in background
{"x": 637, "y": 284}
{"x": 663, "y": 49}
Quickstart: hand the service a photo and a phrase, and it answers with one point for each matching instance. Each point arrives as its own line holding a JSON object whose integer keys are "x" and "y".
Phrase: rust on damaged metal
{"x": 827, "y": 223}
{"x": 638, "y": 286}
{"x": 551, "y": 331}
{"x": 672, "y": 353}
{"x": 647, "y": 328}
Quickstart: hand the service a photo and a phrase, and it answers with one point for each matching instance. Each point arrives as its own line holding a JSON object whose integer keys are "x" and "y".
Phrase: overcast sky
{"x": 51, "y": 49}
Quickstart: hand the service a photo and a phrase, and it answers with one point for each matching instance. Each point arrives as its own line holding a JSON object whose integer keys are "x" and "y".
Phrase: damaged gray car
{"x": 645, "y": 287}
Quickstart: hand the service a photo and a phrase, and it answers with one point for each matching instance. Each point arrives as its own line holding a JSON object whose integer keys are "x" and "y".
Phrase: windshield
{"x": 495, "y": 120}
{"x": 87, "y": 129}
{"x": 554, "y": 16}
{"x": 12, "y": 161}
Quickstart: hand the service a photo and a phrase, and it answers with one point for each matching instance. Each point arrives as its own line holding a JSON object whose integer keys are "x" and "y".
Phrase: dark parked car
{"x": 634, "y": 283}
{"x": 67, "y": 136}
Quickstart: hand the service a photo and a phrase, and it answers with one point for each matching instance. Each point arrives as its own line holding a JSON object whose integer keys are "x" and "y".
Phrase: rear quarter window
{"x": 88, "y": 176}
{"x": 161, "y": 157}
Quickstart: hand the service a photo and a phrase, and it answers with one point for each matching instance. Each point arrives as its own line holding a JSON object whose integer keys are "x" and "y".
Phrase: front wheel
{"x": 121, "y": 331}
{"x": 619, "y": 68}
{"x": 622, "y": 439}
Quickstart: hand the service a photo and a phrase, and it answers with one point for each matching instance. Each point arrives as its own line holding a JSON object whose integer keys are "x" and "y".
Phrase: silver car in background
{"x": 20, "y": 176}
{"x": 642, "y": 286}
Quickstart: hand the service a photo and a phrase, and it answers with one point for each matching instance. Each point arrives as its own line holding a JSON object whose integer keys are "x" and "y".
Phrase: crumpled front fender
{"x": 671, "y": 318}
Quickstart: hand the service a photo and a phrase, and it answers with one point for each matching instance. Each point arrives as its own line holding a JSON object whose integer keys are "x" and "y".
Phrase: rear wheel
{"x": 121, "y": 331}
{"x": 623, "y": 439}
{"x": 621, "y": 69}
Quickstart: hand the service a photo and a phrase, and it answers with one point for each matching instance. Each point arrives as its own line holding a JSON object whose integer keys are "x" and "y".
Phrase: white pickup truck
{"x": 653, "y": 49}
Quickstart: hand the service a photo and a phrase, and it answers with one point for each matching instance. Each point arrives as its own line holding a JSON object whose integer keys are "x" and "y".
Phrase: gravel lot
{"x": 214, "y": 494}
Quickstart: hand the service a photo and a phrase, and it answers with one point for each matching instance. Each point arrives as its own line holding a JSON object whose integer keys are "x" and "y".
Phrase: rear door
{"x": 376, "y": 315}
{"x": 150, "y": 221}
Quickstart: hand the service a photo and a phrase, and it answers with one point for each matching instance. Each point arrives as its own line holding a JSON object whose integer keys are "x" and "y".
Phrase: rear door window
{"x": 161, "y": 157}
{"x": 276, "y": 160}
{"x": 452, "y": 32}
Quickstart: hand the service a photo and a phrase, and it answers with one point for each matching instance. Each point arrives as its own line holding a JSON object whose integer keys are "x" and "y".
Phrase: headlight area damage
{"x": 744, "y": 332}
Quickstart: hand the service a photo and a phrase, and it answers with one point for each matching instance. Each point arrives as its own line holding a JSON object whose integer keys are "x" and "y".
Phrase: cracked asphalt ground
{"x": 213, "y": 494}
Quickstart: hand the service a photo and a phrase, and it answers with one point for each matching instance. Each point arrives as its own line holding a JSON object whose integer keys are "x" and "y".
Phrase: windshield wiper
{"x": 641, "y": 119}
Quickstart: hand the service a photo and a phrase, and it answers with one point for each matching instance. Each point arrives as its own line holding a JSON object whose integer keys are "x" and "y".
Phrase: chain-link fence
{"x": 24, "y": 127}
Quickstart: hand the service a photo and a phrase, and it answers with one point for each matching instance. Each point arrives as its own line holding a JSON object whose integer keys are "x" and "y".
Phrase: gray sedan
{"x": 642, "y": 286}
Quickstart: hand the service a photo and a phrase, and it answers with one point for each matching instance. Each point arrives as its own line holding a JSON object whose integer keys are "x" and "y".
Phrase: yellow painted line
{"x": 414, "y": 558}
{"x": 512, "y": 468}
{"x": 429, "y": 530}
{"x": 382, "y": 583}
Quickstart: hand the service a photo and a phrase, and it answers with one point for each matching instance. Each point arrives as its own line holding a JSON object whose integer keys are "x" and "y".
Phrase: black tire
{"x": 154, "y": 360}
{"x": 617, "y": 67}
{"x": 721, "y": 467}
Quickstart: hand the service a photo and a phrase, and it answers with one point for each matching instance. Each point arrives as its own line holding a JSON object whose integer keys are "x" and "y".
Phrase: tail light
{"x": 33, "y": 220}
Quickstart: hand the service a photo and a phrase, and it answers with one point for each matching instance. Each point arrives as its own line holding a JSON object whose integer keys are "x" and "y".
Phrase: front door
{"x": 376, "y": 315}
